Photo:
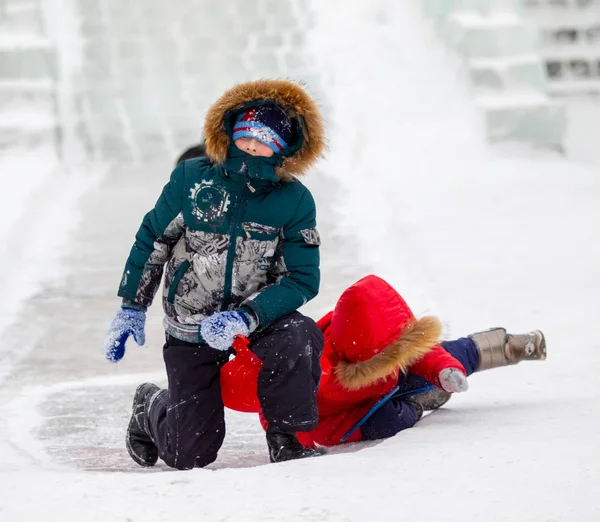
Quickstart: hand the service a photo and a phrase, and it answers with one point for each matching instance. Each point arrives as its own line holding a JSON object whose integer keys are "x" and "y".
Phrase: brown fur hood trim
{"x": 410, "y": 347}
{"x": 289, "y": 95}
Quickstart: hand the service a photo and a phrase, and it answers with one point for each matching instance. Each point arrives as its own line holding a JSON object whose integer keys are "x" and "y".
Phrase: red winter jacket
{"x": 370, "y": 337}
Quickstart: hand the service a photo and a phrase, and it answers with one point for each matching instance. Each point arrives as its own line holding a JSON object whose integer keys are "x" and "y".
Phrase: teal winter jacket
{"x": 232, "y": 230}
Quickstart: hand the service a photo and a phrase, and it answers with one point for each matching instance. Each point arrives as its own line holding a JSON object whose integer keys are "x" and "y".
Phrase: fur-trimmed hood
{"x": 290, "y": 96}
{"x": 375, "y": 335}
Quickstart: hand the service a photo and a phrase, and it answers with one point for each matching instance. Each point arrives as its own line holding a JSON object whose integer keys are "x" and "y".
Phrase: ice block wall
{"x": 570, "y": 35}
{"x": 502, "y": 53}
{"x": 28, "y": 73}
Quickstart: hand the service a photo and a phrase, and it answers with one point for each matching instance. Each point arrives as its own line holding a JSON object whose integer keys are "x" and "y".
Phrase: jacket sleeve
{"x": 161, "y": 228}
{"x": 299, "y": 281}
{"x": 432, "y": 363}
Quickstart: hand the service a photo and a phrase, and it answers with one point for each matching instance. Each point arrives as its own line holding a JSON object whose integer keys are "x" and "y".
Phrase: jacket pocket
{"x": 260, "y": 232}
{"x": 181, "y": 270}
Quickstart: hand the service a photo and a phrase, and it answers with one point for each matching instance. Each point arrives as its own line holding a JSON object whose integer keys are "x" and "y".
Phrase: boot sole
{"x": 136, "y": 458}
{"x": 433, "y": 400}
{"x": 543, "y": 347}
{"x": 540, "y": 353}
{"x": 316, "y": 452}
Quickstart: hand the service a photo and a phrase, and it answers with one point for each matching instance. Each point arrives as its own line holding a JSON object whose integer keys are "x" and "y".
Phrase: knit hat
{"x": 268, "y": 124}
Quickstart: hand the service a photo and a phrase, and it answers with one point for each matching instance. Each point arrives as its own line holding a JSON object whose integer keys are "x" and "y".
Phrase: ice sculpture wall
{"x": 502, "y": 53}
{"x": 570, "y": 32}
{"x": 28, "y": 71}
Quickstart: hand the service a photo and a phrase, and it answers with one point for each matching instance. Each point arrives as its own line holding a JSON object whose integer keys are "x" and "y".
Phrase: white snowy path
{"x": 479, "y": 237}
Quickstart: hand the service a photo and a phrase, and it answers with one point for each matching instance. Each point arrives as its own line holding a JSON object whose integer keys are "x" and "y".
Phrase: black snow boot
{"x": 285, "y": 446}
{"x": 139, "y": 444}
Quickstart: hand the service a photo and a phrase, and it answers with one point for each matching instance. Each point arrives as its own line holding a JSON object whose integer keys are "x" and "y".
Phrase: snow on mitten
{"x": 453, "y": 380}
{"x": 219, "y": 330}
{"x": 128, "y": 321}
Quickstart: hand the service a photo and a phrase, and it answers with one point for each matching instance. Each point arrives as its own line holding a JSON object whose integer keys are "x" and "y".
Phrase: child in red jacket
{"x": 374, "y": 348}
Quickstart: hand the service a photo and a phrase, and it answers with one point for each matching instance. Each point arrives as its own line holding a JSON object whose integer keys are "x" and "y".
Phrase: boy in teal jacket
{"x": 235, "y": 235}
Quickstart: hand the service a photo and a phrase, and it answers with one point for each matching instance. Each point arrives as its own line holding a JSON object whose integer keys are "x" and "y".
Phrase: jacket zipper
{"x": 253, "y": 190}
{"x": 235, "y": 226}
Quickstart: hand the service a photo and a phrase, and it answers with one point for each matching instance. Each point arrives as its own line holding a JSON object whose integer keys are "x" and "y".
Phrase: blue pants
{"x": 397, "y": 414}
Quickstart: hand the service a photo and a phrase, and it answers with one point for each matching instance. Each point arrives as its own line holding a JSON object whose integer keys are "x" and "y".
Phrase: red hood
{"x": 375, "y": 334}
{"x": 369, "y": 316}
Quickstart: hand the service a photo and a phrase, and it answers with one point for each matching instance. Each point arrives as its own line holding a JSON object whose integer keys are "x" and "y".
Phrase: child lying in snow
{"x": 373, "y": 344}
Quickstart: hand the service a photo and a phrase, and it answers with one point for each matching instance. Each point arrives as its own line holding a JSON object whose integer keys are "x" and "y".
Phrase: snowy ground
{"x": 481, "y": 237}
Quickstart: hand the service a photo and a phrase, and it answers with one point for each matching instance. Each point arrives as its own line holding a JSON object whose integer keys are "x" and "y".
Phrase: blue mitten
{"x": 219, "y": 330}
{"x": 128, "y": 321}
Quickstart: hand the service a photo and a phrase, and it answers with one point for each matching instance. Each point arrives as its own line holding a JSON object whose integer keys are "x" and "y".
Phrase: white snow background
{"x": 480, "y": 236}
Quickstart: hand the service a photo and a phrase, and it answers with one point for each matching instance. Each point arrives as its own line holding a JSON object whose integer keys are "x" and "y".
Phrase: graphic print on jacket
{"x": 233, "y": 230}
{"x": 255, "y": 259}
{"x": 194, "y": 276}
{"x": 209, "y": 202}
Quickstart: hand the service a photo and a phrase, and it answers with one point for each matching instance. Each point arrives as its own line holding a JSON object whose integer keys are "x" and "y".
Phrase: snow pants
{"x": 187, "y": 421}
{"x": 398, "y": 414}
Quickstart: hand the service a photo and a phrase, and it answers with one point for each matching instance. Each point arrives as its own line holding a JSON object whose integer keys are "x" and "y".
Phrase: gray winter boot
{"x": 497, "y": 348}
